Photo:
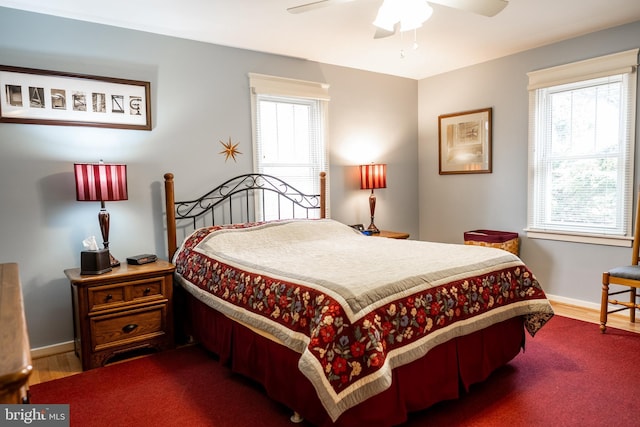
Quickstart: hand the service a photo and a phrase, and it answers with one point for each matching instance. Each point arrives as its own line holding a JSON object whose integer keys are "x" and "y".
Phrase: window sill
{"x": 580, "y": 238}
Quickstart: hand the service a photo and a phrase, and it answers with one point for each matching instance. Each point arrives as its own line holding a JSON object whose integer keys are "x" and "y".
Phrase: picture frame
{"x": 464, "y": 142}
{"x": 43, "y": 97}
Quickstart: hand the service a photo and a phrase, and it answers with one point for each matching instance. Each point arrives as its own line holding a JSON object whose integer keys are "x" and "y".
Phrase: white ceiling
{"x": 342, "y": 34}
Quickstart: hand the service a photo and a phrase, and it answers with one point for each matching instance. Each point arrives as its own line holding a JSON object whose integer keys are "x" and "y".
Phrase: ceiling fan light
{"x": 388, "y": 15}
{"x": 411, "y": 14}
{"x": 414, "y": 14}
{"x": 423, "y": 10}
{"x": 410, "y": 24}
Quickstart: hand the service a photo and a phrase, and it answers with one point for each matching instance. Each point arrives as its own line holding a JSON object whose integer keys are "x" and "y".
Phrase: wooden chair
{"x": 628, "y": 276}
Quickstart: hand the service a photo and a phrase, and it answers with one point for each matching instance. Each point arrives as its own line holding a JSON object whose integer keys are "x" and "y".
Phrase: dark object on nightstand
{"x": 95, "y": 262}
{"x": 142, "y": 259}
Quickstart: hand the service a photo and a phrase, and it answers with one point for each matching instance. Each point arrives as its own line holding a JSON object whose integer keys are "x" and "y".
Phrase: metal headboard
{"x": 238, "y": 200}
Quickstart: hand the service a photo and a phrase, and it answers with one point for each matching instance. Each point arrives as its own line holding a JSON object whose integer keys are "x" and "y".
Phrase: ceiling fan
{"x": 481, "y": 7}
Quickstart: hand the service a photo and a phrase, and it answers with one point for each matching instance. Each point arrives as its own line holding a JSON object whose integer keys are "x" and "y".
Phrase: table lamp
{"x": 371, "y": 177}
{"x": 99, "y": 182}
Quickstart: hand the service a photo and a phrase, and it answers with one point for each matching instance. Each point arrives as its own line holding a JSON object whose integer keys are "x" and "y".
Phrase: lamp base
{"x": 373, "y": 229}
{"x": 114, "y": 262}
{"x": 372, "y": 208}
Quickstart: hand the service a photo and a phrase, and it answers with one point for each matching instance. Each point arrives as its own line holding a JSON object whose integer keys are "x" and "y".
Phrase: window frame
{"x": 298, "y": 92}
{"x": 622, "y": 63}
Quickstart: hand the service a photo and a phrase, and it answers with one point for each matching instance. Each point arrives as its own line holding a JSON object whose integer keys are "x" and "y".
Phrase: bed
{"x": 342, "y": 328}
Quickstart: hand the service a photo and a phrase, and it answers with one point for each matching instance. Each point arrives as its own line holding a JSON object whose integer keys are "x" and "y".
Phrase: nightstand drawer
{"x": 113, "y": 296}
{"x": 102, "y": 297}
{"x": 127, "y": 327}
{"x": 145, "y": 289}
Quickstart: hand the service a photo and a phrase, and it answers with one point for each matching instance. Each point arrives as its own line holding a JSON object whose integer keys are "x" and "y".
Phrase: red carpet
{"x": 569, "y": 375}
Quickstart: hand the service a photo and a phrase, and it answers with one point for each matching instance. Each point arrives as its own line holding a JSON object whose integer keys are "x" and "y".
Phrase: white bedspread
{"x": 361, "y": 271}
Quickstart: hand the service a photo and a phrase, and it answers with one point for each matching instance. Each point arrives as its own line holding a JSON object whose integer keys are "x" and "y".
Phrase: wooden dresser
{"x": 15, "y": 353}
{"x": 129, "y": 308}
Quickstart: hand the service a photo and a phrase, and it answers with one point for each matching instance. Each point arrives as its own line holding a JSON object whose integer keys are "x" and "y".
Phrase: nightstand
{"x": 392, "y": 234}
{"x": 129, "y": 308}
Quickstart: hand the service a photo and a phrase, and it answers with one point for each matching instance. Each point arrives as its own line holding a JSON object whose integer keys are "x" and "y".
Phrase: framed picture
{"x": 54, "y": 98}
{"x": 464, "y": 142}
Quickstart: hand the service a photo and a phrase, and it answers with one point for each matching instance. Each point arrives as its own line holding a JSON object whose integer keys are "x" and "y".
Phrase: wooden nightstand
{"x": 392, "y": 234}
{"x": 129, "y": 308}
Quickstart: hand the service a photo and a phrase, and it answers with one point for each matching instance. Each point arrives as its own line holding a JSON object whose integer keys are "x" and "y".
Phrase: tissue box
{"x": 95, "y": 262}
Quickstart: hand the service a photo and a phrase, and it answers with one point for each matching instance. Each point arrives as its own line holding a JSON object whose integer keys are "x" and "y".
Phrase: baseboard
{"x": 594, "y": 312}
{"x": 50, "y": 350}
{"x": 68, "y": 346}
{"x": 574, "y": 302}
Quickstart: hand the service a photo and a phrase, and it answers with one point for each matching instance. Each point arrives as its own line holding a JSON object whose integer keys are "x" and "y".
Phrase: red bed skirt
{"x": 436, "y": 377}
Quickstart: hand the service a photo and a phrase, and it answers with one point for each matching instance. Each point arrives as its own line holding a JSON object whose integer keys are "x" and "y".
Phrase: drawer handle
{"x": 129, "y": 328}
{"x": 146, "y": 291}
{"x": 109, "y": 297}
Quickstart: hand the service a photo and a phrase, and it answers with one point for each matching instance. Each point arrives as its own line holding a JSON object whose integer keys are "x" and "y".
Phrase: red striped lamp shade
{"x": 373, "y": 176}
{"x": 100, "y": 182}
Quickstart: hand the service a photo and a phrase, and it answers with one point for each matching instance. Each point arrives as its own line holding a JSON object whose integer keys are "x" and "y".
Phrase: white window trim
{"x": 603, "y": 66}
{"x": 608, "y": 65}
{"x": 281, "y": 86}
{"x": 262, "y": 84}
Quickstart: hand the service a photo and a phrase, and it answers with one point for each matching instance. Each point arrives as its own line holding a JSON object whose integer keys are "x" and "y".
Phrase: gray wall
{"x": 200, "y": 96}
{"x": 452, "y": 204}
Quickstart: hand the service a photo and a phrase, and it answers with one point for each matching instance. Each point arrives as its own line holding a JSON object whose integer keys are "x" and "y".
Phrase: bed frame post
{"x": 323, "y": 194}
{"x": 171, "y": 214}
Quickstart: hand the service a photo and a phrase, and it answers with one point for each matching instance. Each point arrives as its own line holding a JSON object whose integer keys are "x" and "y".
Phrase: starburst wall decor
{"x": 230, "y": 150}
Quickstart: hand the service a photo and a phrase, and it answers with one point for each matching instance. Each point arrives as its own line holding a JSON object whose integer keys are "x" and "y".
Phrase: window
{"x": 581, "y": 150}
{"x": 288, "y": 121}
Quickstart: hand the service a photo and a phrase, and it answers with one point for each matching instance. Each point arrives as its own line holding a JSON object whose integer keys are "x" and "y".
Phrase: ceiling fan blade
{"x": 481, "y": 7}
{"x": 315, "y": 5}
{"x": 381, "y": 33}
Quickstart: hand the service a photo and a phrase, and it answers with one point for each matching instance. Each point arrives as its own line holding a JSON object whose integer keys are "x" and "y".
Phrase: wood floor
{"x": 65, "y": 364}
{"x": 54, "y": 367}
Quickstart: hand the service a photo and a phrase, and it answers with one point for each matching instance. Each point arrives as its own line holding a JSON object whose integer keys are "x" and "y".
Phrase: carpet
{"x": 569, "y": 375}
